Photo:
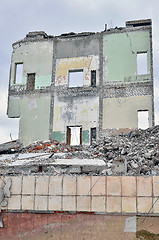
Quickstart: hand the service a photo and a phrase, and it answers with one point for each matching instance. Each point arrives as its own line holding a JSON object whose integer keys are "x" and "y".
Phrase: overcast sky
{"x": 18, "y": 17}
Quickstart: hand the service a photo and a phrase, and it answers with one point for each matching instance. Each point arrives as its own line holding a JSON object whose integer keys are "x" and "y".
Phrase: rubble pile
{"x": 49, "y": 146}
{"x": 136, "y": 153}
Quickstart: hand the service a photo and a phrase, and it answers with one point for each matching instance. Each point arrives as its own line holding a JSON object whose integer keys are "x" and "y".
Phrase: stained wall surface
{"x": 36, "y": 58}
{"x": 54, "y": 104}
{"x": 32, "y": 107}
{"x": 126, "y": 111}
{"x": 120, "y": 56}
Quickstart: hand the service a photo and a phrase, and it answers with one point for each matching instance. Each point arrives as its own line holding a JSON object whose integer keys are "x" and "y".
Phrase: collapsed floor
{"x": 136, "y": 153}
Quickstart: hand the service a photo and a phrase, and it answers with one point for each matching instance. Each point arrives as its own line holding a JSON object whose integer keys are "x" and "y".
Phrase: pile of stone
{"x": 136, "y": 153}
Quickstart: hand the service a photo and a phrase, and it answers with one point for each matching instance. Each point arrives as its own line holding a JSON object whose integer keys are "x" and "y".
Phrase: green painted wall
{"x": 120, "y": 55}
{"x": 36, "y": 58}
{"x": 14, "y": 107}
{"x": 34, "y": 118}
{"x": 59, "y": 136}
{"x": 123, "y": 112}
{"x": 85, "y": 137}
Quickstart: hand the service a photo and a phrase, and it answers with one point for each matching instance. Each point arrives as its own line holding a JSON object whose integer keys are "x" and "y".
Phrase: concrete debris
{"x": 10, "y": 147}
{"x": 136, "y": 153}
{"x": 5, "y": 192}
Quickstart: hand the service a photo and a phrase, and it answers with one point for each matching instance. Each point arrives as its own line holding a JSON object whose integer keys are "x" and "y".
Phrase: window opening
{"x": 76, "y": 78}
{"x": 141, "y": 63}
{"x": 74, "y": 136}
{"x": 93, "y": 78}
{"x": 18, "y": 73}
{"x": 93, "y": 135}
{"x": 143, "y": 119}
{"x": 30, "y": 81}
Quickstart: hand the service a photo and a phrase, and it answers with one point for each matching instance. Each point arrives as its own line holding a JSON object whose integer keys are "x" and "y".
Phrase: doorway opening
{"x": 74, "y": 135}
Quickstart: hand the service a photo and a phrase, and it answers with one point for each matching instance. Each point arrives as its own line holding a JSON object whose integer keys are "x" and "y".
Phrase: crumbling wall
{"x": 121, "y": 63}
{"x": 33, "y": 55}
{"x": 31, "y": 106}
{"x": 109, "y": 95}
{"x": 76, "y": 106}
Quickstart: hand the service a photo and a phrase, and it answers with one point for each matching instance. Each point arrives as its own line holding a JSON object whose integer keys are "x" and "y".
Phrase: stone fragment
{"x": 134, "y": 165}
{"x": 1, "y": 195}
{"x": 4, "y": 203}
{"x": 123, "y": 151}
{"x": 6, "y": 188}
{"x": 148, "y": 155}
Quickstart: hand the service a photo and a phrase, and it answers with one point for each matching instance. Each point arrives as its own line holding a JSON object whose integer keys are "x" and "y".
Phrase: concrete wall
{"x": 85, "y": 63}
{"x": 34, "y": 113}
{"x": 33, "y": 108}
{"x": 75, "y": 111}
{"x": 112, "y": 104}
{"x": 100, "y": 194}
{"x": 78, "y": 46}
{"x": 36, "y": 58}
{"x": 126, "y": 111}
{"x": 120, "y": 56}
{"x": 78, "y": 105}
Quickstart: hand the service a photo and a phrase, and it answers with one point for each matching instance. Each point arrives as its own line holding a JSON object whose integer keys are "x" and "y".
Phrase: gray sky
{"x": 19, "y": 17}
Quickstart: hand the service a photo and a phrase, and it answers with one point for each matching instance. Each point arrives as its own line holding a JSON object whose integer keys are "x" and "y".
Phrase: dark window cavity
{"x": 30, "y": 81}
{"x": 93, "y": 135}
{"x": 93, "y": 78}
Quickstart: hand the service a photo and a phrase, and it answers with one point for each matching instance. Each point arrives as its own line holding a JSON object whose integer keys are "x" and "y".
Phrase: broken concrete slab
{"x": 10, "y": 147}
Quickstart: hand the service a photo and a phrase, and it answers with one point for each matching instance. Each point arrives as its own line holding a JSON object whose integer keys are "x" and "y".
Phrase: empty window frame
{"x": 30, "y": 81}
{"x": 93, "y": 135}
{"x": 93, "y": 78}
{"x": 18, "y": 73}
{"x": 74, "y": 136}
{"x": 142, "y": 63}
{"x": 76, "y": 78}
{"x": 143, "y": 119}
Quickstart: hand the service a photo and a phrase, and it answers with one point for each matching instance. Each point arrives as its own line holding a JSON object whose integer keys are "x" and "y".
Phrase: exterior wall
{"x": 121, "y": 63}
{"x": 125, "y": 110}
{"x": 32, "y": 107}
{"x": 34, "y": 118}
{"x": 76, "y": 106}
{"x": 78, "y": 46}
{"x": 85, "y": 63}
{"x": 36, "y": 58}
{"x": 99, "y": 194}
{"x": 75, "y": 111}
{"x": 111, "y": 105}
{"x": 34, "y": 113}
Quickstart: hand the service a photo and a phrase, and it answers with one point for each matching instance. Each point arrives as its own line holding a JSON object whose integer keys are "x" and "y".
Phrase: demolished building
{"x": 85, "y": 85}
{"x": 79, "y": 87}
